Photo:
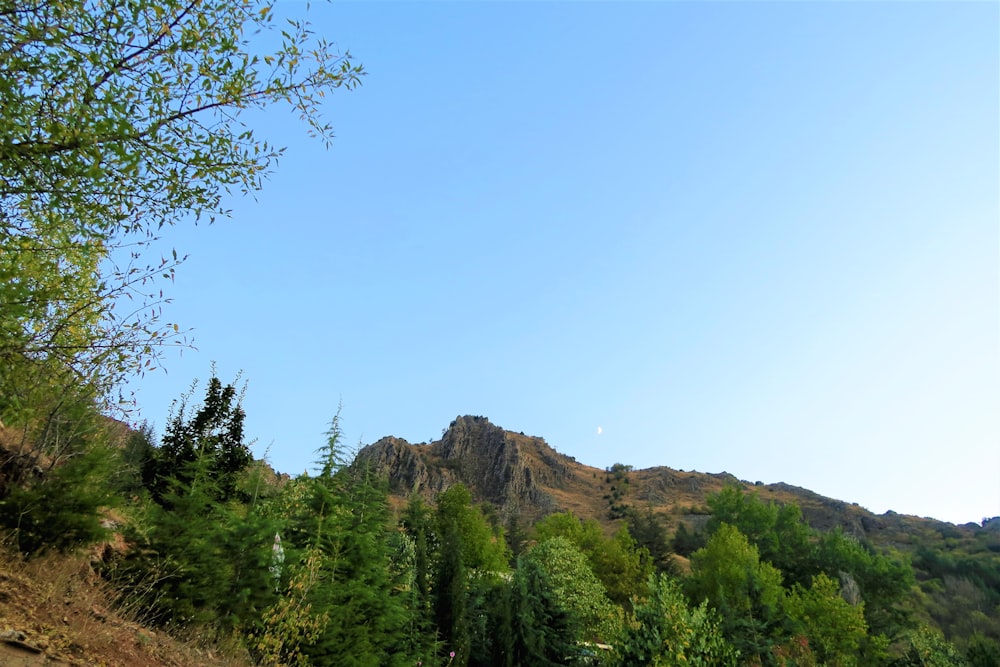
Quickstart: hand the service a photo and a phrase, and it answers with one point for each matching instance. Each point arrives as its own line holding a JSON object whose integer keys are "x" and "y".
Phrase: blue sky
{"x": 759, "y": 238}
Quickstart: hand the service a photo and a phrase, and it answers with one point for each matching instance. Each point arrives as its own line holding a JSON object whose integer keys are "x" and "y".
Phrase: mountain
{"x": 524, "y": 476}
{"x": 956, "y": 568}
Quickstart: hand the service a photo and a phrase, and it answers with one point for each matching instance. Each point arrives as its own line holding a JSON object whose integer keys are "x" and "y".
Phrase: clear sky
{"x": 759, "y": 238}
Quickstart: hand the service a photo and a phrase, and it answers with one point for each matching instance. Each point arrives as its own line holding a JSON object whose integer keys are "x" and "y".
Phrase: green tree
{"x": 928, "y": 648}
{"x": 543, "y": 632}
{"x": 835, "y": 628}
{"x": 471, "y": 556}
{"x": 781, "y": 536}
{"x": 60, "y": 510}
{"x": 122, "y": 117}
{"x": 576, "y": 588}
{"x": 483, "y": 545}
{"x": 883, "y": 581}
{"x": 747, "y": 592}
{"x": 199, "y": 558}
{"x": 983, "y": 651}
{"x": 213, "y": 436}
{"x": 649, "y": 532}
{"x": 686, "y": 542}
{"x": 345, "y": 519}
{"x": 621, "y": 564}
{"x": 666, "y": 631}
{"x": 418, "y": 525}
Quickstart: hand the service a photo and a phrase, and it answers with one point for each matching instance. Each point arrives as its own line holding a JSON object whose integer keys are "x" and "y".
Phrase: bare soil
{"x": 55, "y": 611}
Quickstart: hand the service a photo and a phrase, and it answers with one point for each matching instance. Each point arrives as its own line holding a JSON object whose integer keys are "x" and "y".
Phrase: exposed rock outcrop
{"x": 503, "y": 468}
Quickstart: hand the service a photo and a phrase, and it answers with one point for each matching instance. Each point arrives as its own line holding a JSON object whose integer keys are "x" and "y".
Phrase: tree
{"x": 648, "y": 530}
{"x": 746, "y": 591}
{"x": 62, "y": 509}
{"x": 121, "y": 117}
{"x": 778, "y": 531}
{"x": 883, "y": 581}
{"x": 928, "y": 648}
{"x": 471, "y": 559}
{"x": 344, "y": 520}
{"x": 835, "y": 628}
{"x": 542, "y": 631}
{"x": 621, "y": 564}
{"x": 417, "y": 524}
{"x": 575, "y": 587}
{"x": 666, "y": 631}
{"x": 212, "y": 438}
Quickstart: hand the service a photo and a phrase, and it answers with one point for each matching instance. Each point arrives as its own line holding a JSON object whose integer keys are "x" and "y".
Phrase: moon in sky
{"x": 600, "y": 430}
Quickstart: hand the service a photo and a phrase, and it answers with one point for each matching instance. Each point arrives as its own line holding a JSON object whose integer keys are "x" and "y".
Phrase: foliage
{"x": 198, "y": 561}
{"x": 417, "y": 525}
{"x": 835, "y": 629}
{"x": 882, "y": 580}
{"x": 667, "y": 632}
{"x": 746, "y": 591}
{"x": 119, "y": 118}
{"x": 291, "y": 621}
{"x": 212, "y": 436}
{"x": 649, "y": 532}
{"x": 927, "y": 648}
{"x": 482, "y": 545}
{"x": 345, "y": 519}
{"x": 471, "y": 557}
{"x": 686, "y": 541}
{"x": 778, "y": 531}
{"x": 575, "y": 587}
{"x": 621, "y": 565}
{"x": 617, "y": 477}
{"x": 61, "y": 510}
{"x": 961, "y": 580}
{"x": 542, "y": 632}
{"x": 983, "y": 651}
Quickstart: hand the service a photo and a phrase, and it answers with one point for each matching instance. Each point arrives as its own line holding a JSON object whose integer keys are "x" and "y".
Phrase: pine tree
{"x": 345, "y": 519}
{"x": 212, "y": 436}
{"x": 543, "y": 632}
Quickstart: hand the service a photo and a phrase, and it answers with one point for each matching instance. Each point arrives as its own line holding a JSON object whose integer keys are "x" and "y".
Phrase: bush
{"x": 61, "y": 511}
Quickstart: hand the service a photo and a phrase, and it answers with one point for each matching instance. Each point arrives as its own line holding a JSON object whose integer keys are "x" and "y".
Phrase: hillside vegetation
{"x": 121, "y": 547}
{"x": 484, "y": 548}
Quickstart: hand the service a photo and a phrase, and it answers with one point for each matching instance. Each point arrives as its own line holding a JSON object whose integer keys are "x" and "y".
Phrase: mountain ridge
{"x": 523, "y": 476}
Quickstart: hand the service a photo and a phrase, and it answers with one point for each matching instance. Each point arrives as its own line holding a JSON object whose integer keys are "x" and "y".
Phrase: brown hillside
{"x": 524, "y": 476}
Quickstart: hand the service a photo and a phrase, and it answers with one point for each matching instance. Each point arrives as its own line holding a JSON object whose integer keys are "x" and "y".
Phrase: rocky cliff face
{"x": 523, "y": 476}
{"x": 503, "y": 468}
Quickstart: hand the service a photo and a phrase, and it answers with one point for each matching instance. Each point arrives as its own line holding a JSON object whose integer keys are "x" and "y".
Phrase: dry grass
{"x": 62, "y": 613}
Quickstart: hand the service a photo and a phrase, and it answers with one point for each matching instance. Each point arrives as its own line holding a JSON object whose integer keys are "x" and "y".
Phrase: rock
{"x": 19, "y": 640}
{"x": 499, "y": 466}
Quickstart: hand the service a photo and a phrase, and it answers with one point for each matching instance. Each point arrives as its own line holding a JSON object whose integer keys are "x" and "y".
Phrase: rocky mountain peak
{"x": 500, "y": 467}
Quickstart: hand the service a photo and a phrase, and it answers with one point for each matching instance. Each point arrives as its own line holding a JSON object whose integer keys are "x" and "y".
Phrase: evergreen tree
{"x": 450, "y": 588}
{"x": 417, "y": 522}
{"x": 212, "y": 436}
{"x": 61, "y": 509}
{"x": 198, "y": 561}
{"x": 543, "y": 632}
{"x": 345, "y": 518}
{"x": 650, "y": 533}
{"x": 686, "y": 542}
